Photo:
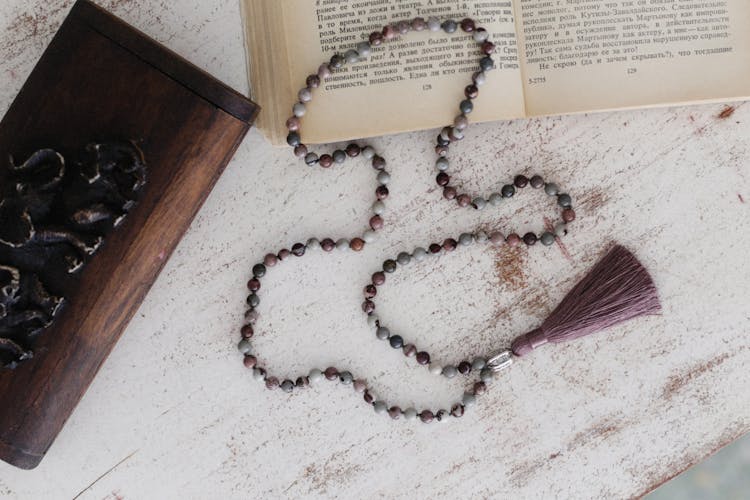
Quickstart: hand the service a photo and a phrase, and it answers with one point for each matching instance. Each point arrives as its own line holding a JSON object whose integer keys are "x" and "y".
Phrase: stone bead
{"x": 455, "y": 134}
{"x": 433, "y": 24}
{"x": 479, "y": 203}
{"x": 368, "y": 306}
{"x": 384, "y": 177}
{"x": 468, "y": 25}
{"x": 442, "y": 164}
{"x": 450, "y": 371}
{"x": 270, "y": 260}
{"x": 342, "y": 244}
{"x": 423, "y": 358}
{"x": 370, "y": 291}
{"x": 530, "y": 239}
{"x": 481, "y": 237}
{"x": 327, "y": 245}
{"x": 293, "y": 139}
{"x": 410, "y": 350}
{"x": 378, "y": 162}
{"x": 298, "y": 249}
{"x": 445, "y": 133}
{"x": 378, "y": 208}
{"x": 397, "y": 342}
{"x": 351, "y": 56}
{"x": 458, "y": 410}
{"x": 381, "y": 193}
{"x": 259, "y": 270}
{"x": 244, "y": 346}
{"x": 479, "y": 78}
{"x": 461, "y": 122}
{"x": 488, "y": 47}
{"x": 364, "y": 49}
{"x": 403, "y": 259}
{"x": 299, "y": 110}
{"x": 346, "y": 378}
{"x": 497, "y": 238}
{"x": 353, "y": 150}
{"x": 373, "y": 321}
{"x": 376, "y": 38}
{"x": 302, "y": 382}
{"x": 313, "y": 81}
{"x": 466, "y": 106}
{"x": 394, "y": 412}
{"x": 449, "y": 245}
{"x": 561, "y": 229}
{"x": 252, "y": 315}
{"x": 311, "y": 159}
{"x": 250, "y": 361}
{"x": 435, "y": 249}
{"x": 376, "y": 223}
{"x": 378, "y": 278}
{"x": 379, "y": 407}
{"x": 551, "y": 189}
{"x": 480, "y": 388}
{"x": 442, "y": 142}
{"x": 478, "y": 364}
{"x": 253, "y": 285}
{"x": 564, "y": 200}
{"x": 469, "y": 399}
{"x": 410, "y": 414}
{"x": 450, "y": 26}
{"x": 521, "y": 181}
{"x": 305, "y": 95}
{"x": 537, "y": 182}
{"x": 313, "y": 244}
{"x": 337, "y": 61}
{"x": 471, "y": 92}
{"x": 331, "y": 373}
{"x": 368, "y": 152}
{"x": 441, "y": 150}
{"x": 325, "y": 161}
{"x": 464, "y": 368}
{"x": 389, "y": 266}
{"x": 284, "y": 254}
{"x": 426, "y": 416}
{"x": 403, "y": 27}
{"x": 300, "y": 151}
{"x": 547, "y": 239}
{"x": 389, "y": 32}
{"x": 486, "y": 374}
{"x": 442, "y": 179}
{"x": 464, "y": 200}
{"x": 324, "y": 71}
{"x": 418, "y": 24}
{"x": 442, "y": 415}
{"x": 496, "y": 199}
{"x": 293, "y": 124}
{"x": 508, "y": 191}
{"x": 435, "y": 369}
{"x": 360, "y": 386}
{"x": 568, "y": 215}
{"x": 272, "y": 383}
{"x": 383, "y": 333}
{"x": 513, "y": 240}
{"x": 466, "y": 239}
{"x": 259, "y": 373}
{"x": 357, "y": 244}
{"x": 368, "y": 397}
{"x": 253, "y": 300}
{"x": 486, "y": 63}
{"x": 481, "y": 35}
{"x": 287, "y": 386}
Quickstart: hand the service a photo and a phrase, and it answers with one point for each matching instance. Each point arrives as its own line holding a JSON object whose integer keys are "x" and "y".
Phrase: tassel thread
{"x": 616, "y": 290}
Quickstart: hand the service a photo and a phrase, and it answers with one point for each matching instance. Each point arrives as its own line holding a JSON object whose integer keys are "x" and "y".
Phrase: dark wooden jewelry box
{"x": 101, "y": 80}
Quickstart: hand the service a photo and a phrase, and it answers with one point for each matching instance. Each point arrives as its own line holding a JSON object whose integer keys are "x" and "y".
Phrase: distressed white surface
{"x": 174, "y": 414}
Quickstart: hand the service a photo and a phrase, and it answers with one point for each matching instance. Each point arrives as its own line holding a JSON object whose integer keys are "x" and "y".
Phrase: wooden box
{"x": 101, "y": 80}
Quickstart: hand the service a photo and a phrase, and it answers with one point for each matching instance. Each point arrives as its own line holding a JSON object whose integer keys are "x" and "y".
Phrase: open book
{"x": 553, "y": 57}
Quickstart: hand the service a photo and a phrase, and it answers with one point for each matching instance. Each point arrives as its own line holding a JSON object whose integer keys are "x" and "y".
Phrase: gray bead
{"x": 435, "y": 369}
{"x": 315, "y": 375}
{"x": 480, "y": 79}
{"x": 403, "y": 258}
{"x": 450, "y": 371}
{"x": 293, "y": 139}
{"x": 351, "y": 56}
{"x": 469, "y": 399}
{"x": 258, "y": 374}
{"x": 368, "y": 152}
{"x": 339, "y": 156}
{"x": 346, "y": 378}
{"x": 547, "y": 239}
{"x": 384, "y": 177}
{"x": 450, "y": 26}
{"x": 508, "y": 191}
{"x": 496, "y": 199}
{"x": 342, "y": 244}
{"x": 466, "y": 239}
{"x": 466, "y": 106}
{"x": 481, "y": 237}
{"x": 442, "y": 164}
{"x": 383, "y": 333}
{"x": 561, "y": 229}
{"x": 410, "y": 414}
{"x": 287, "y": 386}
{"x": 389, "y": 266}
{"x": 486, "y": 63}
{"x": 433, "y": 24}
{"x": 379, "y": 407}
{"x": 299, "y": 110}
{"x": 364, "y": 49}
{"x": 479, "y": 203}
{"x": 253, "y": 300}
{"x": 378, "y": 208}
{"x": 244, "y": 346}
{"x": 551, "y": 189}
{"x": 419, "y": 254}
{"x": 313, "y": 244}
{"x": 564, "y": 200}
{"x": 370, "y": 236}
{"x": 311, "y": 159}
{"x": 478, "y": 364}
{"x": 481, "y": 36}
{"x": 305, "y": 95}
{"x": 485, "y": 374}
{"x": 458, "y": 134}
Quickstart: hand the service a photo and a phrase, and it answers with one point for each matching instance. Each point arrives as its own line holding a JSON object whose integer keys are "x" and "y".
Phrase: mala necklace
{"x": 617, "y": 289}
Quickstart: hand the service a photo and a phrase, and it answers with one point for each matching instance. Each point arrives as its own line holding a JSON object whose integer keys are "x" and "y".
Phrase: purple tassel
{"x": 617, "y": 289}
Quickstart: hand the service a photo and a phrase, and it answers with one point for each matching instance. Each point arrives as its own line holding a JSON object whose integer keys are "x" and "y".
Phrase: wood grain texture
{"x": 174, "y": 412}
{"x": 98, "y": 81}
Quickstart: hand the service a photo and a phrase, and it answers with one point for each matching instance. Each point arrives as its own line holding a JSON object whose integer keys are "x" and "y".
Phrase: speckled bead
{"x": 537, "y": 182}
{"x": 394, "y": 412}
{"x": 508, "y": 191}
{"x": 331, "y": 373}
{"x": 547, "y": 239}
{"x": 346, "y": 378}
{"x": 410, "y": 350}
{"x": 426, "y": 416}
{"x": 564, "y": 200}
{"x": 287, "y": 386}
{"x": 423, "y": 358}
{"x": 529, "y": 239}
{"x": 389, "y": 266}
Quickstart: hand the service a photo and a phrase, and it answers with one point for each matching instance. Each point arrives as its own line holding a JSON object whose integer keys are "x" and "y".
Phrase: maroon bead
{"x": 378, "y": 162}
{"x": 426, "y": 416}
{"x": 513, "y": 239}
{"x": 443, "y": 179}
{"x": 468, "y": 25}
{"x": 371, "y": 291}
{"x": 298, "y": 249}
{"x": 480, "y": 388}
{"x": 537, "y": 182}
{"x": 272, "y": 383}
{"x": 270, "y": 260}
{"x": 569, "y": 215}
{"x": 488, "y": 48}
{"x": 376, "y": 222}
{"x": 435, "y": 248}
{"x": 410, "y": 350}
{"x": 449, "y": 245}
{"x": 497, "y": 238}
{"x": 389, "y": 32}
{"x": 471, "y": 91}
{"x": 368, "y": 306}
{"x": 423, "y": 358}
{"x": 449, "y": 193}
{"x": 418, "y": 24}
{"x": 300, "y": 151}
{"x": 250, "y": 361}
{"x": 302, "y": 382}
{"x": 327, "y": 245}
{"x": 325, "y": 161}
{"x": 360, "y": 385}
{"x": 376, "y": 38}
{"x": 313, "y": 81}
{"x": 378, "y": 278}
{"x": 247, "y": 331}
{"x": 530, "y": 239}
{"x": 253, "y": 285}
{"x": 403, "y": 27}
{"x": 369, "y": 398}
{"x": 394, "y": 412}
{"x": 458, "y": 410}
{"x": 452, "y": 135}
{"x": 357, "y": 244}
{"x": 353, "y": 150}
{"x": 521, "y": 181}
{"x": 464, "y": 367}
{"x": 463, "y": 200}
{"x": 381, "y": 192}
{"x": 284, "y": 254}
{"x": 441, "y": 150}
{"x": 331, "y": 373}
{"x": 292, "y": 124}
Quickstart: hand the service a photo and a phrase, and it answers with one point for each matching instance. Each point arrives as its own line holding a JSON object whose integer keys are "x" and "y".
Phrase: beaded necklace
{"x": 483, "y": 367}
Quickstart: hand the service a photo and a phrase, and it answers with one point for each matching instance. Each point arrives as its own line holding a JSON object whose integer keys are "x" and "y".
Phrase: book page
{"x": 584, "y": 55}
{"x": 410, "y": 83}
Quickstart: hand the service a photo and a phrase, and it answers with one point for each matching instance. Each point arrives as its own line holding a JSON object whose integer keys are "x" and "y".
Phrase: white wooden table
{"x": 173, "y": 413}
